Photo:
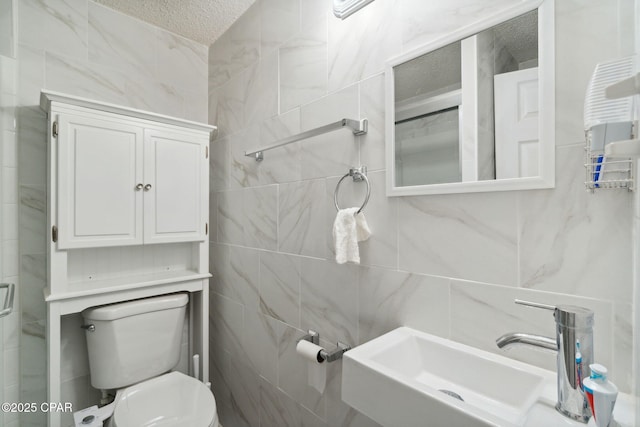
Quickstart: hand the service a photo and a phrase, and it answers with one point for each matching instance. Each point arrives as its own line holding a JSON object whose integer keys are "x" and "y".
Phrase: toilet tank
{"x": 134, "y": 340}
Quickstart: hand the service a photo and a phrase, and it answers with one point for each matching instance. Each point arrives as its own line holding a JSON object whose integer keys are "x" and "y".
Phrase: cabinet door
{"x": 175, "y": 175}
{"x": 99, "y": 165}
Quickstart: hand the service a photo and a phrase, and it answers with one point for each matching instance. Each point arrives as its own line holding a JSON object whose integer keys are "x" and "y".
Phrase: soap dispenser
{"x": 601, "y": 395}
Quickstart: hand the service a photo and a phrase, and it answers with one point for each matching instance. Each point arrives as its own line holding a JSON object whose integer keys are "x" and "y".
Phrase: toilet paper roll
{"x": 316, "y": 369}
{"x": 309, "y": 351}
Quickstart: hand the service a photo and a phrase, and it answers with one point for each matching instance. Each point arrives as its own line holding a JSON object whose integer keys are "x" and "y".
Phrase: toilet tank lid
{"x": 132, "y": 308}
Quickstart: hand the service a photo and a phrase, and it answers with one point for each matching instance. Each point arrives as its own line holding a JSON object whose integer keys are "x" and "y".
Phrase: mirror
{"x": 474, "y": 111}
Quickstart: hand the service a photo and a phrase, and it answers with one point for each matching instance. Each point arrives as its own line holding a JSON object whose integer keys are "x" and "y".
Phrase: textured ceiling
{"x": 439, "y": 70}
{"x": 200, "y": 20}
{"x": 520, "y": 36}
{"x": 429, "y": 74}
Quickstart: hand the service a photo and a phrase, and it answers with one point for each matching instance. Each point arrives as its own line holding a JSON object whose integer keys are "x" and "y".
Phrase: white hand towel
{"x": 349, "y": 228}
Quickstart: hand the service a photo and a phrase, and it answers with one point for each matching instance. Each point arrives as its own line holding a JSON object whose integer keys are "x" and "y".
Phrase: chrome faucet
{"x": 574, "y": 332}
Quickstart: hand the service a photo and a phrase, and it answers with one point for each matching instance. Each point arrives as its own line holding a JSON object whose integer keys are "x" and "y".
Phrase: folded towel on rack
{"x": 349, "y": 228}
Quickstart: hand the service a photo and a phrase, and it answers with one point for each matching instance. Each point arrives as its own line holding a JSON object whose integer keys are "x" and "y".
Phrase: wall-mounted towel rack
{"x": 358, "y": 174}
{"x": 358, "y": 127}
{"x": 7, "y": 308}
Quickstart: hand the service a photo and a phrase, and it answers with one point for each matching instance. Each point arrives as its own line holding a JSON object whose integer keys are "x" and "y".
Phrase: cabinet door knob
{"x": 147, "y": 187}
{"x": 139, "y": 187}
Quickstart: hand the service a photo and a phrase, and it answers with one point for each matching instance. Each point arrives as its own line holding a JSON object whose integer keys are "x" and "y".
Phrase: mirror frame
{"x": 546, "y": 98}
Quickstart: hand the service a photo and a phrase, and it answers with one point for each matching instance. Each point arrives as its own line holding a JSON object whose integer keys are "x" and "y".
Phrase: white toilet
{"x": 132, "y": 348}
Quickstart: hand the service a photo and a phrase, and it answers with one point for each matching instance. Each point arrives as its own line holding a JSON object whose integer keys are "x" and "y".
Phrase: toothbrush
{"x": 596, "y": 174}
{"x": 579, "y": 365}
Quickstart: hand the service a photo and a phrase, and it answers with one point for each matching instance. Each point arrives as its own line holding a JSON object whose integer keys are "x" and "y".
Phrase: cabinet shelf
{"x": 105, "y": 286}
{"x": 48, "y": 97}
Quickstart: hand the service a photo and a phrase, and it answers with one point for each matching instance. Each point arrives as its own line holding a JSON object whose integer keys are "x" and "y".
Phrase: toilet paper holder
{"x": 328, "y": 356}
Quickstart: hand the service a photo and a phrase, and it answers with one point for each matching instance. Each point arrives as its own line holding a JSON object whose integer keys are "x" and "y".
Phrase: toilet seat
{"x": 170, "y": 400}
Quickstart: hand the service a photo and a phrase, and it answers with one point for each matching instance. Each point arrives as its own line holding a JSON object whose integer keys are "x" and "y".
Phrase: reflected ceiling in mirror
{"x": 474, "y": 111}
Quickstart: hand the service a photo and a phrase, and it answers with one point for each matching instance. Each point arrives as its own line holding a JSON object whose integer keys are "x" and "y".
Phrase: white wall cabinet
{"x": 174, "y": 187}
{"x": 124, "y": 183}
{"x": 99, "y": 165}
{"x": 128, "y": 208}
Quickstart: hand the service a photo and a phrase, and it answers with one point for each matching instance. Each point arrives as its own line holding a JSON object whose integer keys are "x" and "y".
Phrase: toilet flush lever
{"x": 90, "y": 328}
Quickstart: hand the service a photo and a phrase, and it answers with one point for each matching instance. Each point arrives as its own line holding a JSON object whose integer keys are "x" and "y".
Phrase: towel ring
{"x": 358, "y": 174}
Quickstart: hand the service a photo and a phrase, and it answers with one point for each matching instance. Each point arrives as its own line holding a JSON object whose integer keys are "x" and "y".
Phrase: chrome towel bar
{"x": 7, "y": 307}
{"x": 358, "y": 127}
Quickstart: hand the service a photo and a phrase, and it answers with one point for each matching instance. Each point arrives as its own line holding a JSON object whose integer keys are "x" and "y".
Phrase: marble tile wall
{"x": 10, "y": 325}
{"x": 450, "y": 265}
{"x": 7, "y": 29}
{"x": 636, "y": 220}
{"x": 81, "y": 48}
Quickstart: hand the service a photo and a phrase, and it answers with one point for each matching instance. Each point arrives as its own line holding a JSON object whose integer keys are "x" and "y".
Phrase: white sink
{"x": 396, "y": 380}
